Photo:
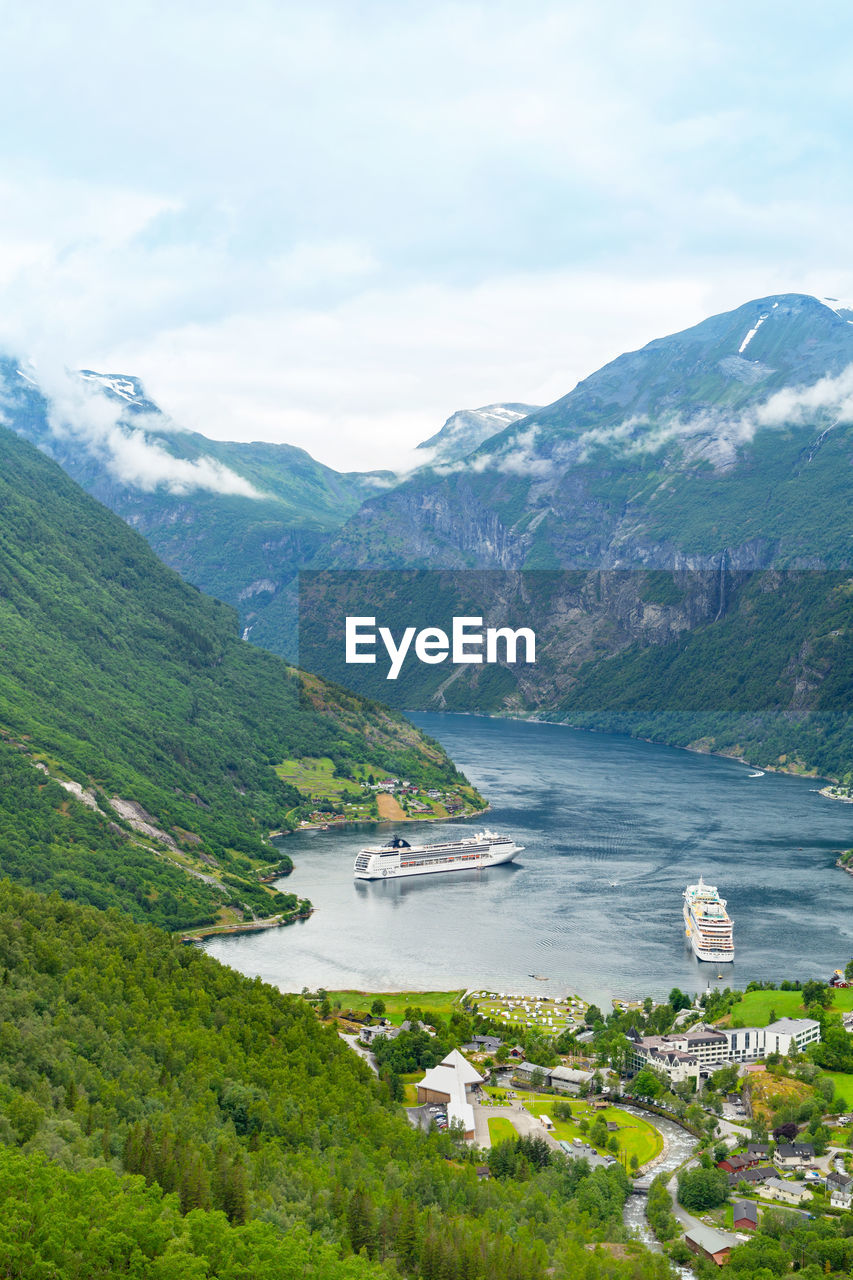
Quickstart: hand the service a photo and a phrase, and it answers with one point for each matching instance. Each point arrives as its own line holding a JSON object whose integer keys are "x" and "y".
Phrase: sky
{"x": 333, "y": 225}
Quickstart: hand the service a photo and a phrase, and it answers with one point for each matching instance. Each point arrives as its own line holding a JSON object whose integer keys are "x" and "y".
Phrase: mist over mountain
{"x": 465, "y": 430}
{"x": 708, "y": 455}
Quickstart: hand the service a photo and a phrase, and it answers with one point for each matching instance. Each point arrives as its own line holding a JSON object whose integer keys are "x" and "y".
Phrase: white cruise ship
{"x": 708, "y": 924}
{"x": 399, "y": 858}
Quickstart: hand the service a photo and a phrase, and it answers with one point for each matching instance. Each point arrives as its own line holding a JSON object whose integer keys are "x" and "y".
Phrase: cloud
{"x": 795, "y": 405}
{"x": 334, "y": 225}
{"x": 81, "y": 411}
{"x": 718, "y": 437}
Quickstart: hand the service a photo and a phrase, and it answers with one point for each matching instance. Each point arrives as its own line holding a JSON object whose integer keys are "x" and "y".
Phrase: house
{"x": 452, "y": 1083}
{"x": 840, "y": 1188}
{"x": 570, "y": 1079}
{"x": 483, "y": 1044}
{"x": 745, "y": 1215}
{"x": 517, "y": 1053}
{"x": 758, "y": 1150}
{"x": 790, "y": 1155}
{"x": 754, "y": 1176}
{"x": 787, "y": 1192}
{"x": 711, "y": 1244}
{"x": 367, "y": 1035}
{"x": 737, "y": 1163}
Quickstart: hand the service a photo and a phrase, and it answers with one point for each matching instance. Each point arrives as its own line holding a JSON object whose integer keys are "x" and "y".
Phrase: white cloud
{"x": 717, "y": 437}
{"x": 335, "y": 225}
{"x": 84, "y": 412}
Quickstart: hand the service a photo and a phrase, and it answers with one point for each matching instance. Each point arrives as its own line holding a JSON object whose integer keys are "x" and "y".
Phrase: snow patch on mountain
{"x": 465, "y": 430}
{"x": 88, "y": 409}
{"x": 759, "y": 322}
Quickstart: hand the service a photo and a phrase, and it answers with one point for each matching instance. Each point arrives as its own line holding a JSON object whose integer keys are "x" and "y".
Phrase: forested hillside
{"x": 122, "y": 1051}
{"x": 123, "y": 680}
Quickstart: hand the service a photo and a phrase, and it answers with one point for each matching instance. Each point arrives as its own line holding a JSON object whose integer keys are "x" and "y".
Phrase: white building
{"x": 787, "y": 1192}
{"x": 711, "y": 1047}
{"x": 451, "y": 1084}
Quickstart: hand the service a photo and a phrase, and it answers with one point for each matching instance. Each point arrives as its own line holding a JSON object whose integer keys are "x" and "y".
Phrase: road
{"x": 525, "y": 1124}
{"x": 362, "y": 1052}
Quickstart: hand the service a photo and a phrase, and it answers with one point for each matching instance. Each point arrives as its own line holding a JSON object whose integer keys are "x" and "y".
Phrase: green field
{"x": 635, "y": 1136}
{"x": 843, "y": 1082}
{"x": 410, "y": 1087}
{"x": 500, "y": 1129}
{"x": 314, "y": 777}
{"x": 755, "y": 1008}
{"x": 397, "y": 1002}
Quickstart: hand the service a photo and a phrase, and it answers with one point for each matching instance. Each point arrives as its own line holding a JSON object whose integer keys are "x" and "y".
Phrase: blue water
{"x": 589, "y": 809}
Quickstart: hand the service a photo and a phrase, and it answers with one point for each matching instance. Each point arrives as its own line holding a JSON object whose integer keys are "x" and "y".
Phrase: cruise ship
{"x": 399, "y": 858}
{"x": 708, "y": 924}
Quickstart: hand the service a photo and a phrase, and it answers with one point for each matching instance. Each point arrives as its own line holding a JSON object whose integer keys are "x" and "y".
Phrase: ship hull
{"x": 710, "y": 954}
{"x": 458, "y": 862}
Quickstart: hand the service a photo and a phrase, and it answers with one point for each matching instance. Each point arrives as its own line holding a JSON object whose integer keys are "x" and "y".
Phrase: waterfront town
{"x": 724, "y": 1111}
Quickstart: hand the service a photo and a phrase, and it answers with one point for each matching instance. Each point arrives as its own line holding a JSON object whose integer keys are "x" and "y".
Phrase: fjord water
{"x": 613, "y": 830}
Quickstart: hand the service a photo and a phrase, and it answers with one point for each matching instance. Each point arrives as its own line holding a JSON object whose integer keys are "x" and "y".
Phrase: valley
{"x": 683, "y": 503}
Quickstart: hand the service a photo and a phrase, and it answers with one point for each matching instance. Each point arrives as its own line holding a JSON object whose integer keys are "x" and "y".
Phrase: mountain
{"x": 465, "y": 430}
{"x": 682, "y": 509}
{"x": 259, "y": 1144}
{"x": 725, "y": 438}
{"x": 234, "y": 519}
{"x": 661, "y": 485}
{"x": 168, "y": 741}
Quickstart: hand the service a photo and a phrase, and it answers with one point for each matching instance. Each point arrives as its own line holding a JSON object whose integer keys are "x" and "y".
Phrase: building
{"x": 737, "y": 1163}
{"x": 787, "y": 1192}
{"x": 570, "y": 1079}
{"x": 745, "y": 1215}
{"x": 368, "y": 1034}
{"x": 753, "y": 1176}
{"x": 758, "y": 1150}
{"x": 711, "y": 1244}
{"x": 483, "y": 1044}
{"x": 701, "y": 1049}
{"x": 524, "y": 1072}
{"x": 452, "y": 1084}
{"x": 788, "y": 1033}
{"x": 840, "y": 1188}
{"x": 791, "y": 1155}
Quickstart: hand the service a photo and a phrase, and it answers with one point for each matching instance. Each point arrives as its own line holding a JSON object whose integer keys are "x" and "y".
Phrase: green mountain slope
{"x": 123, "y": 680}
{"x": 259, "y": 511}
{"x": 121, "y": 1051}
{"x": 666, "y": 457}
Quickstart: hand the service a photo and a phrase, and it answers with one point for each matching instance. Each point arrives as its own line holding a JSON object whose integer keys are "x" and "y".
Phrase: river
{"x": 613, "y": 830}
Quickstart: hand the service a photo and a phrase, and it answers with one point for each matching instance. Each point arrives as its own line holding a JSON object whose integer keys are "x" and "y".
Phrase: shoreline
{"x": 811, "y": 776}
{"x": 246, "y": 926}
{"x": 375, "y": 822}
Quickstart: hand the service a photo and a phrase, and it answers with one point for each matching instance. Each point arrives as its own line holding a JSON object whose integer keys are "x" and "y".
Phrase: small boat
{"x": 538, "y": 977}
